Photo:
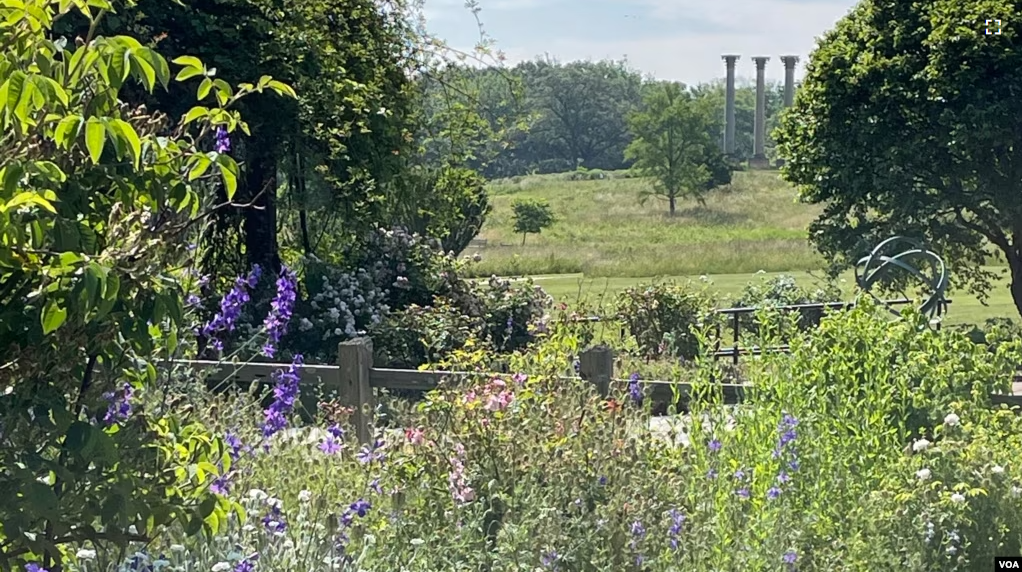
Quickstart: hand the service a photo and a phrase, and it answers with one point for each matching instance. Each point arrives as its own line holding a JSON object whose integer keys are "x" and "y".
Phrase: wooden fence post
{"x": 354, "y": 360}
{"x": 596, "y": 365}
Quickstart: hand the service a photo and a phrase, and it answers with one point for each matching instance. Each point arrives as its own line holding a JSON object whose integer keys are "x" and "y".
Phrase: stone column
{"x": 758, "y": 152}
{"x": 789, "y": 79}
{"x": 729, "y": 105}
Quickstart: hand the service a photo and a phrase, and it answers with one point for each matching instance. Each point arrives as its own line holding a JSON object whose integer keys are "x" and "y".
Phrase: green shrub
{"x": 782, "y": 290}
{"x": 664, "y": 317}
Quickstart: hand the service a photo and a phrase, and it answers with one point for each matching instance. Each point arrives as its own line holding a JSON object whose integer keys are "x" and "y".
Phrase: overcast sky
{"x": 670, "y": 39}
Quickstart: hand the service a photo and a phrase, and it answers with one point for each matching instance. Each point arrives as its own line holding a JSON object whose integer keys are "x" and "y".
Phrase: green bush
{"x": 782, "y": 290}
{"x": 664, "y": 317}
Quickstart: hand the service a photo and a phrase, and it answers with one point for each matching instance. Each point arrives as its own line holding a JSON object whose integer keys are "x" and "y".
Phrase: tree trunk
{"x": 672, "y": 200}
{"x": 260, "y": 219}
{"x": 523, "y": 238}
{"x": 1015, "y": 264}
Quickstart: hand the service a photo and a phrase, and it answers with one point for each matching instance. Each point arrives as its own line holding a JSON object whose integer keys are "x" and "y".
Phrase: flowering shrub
{"x": 664, "y": 317}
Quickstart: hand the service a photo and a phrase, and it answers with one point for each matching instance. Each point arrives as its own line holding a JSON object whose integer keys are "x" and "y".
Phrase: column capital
{"x": 789, "y": 61}
{"x": 761, "y": 61}
{"x": 730, "y": 58}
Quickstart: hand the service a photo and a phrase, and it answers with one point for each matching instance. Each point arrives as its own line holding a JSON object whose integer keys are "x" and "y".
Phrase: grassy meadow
{"x": 605, "y": 241}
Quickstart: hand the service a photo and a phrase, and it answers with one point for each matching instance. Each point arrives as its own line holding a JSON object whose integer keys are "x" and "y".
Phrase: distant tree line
{"x": 560, "y": 117}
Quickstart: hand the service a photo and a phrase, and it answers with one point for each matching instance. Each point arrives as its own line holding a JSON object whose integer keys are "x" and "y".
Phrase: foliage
{"x": 855, "y": 436}
{"x": 531, "y": 216}
{"x": 899, "y": 129}
{"x": 97, "y": 200}
{"x": 448, "y": 203}
{"x": 665, "y": 318}
{"x": 673, "y": 147}
{"x": 781, "y": 290}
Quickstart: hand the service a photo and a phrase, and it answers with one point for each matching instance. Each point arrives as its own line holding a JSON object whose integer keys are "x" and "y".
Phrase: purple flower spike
{"x": 281, "y": 310}
{"x": 223, "y": 140}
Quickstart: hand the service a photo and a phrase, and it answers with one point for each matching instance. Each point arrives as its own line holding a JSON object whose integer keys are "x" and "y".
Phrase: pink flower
{"x": 499, "y": 401}
{"x": 416, "y": 436}
{"x": 519, "y": 378}
{"x": 469, "y": 396}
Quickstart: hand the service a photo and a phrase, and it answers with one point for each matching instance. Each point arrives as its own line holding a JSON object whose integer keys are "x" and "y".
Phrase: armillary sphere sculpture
{"x": 913, "y": 260}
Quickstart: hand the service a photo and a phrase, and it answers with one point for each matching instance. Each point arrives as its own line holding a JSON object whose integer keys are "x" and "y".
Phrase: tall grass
{"x": 603, "y": 230}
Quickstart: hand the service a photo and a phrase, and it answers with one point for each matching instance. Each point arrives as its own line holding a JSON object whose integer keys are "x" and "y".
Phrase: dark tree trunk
{"x": 1015, "y": 264}
{"x": 260, "y": 219}
{"x": 673, "y": 202}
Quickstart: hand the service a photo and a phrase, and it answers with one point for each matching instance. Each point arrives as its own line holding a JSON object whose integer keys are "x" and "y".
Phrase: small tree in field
{"x": 531, "y": 216}
{"x": 672, "y": 145}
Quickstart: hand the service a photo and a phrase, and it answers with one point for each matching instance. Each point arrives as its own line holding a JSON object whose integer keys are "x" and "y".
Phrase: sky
{"x": 680, "y": 40}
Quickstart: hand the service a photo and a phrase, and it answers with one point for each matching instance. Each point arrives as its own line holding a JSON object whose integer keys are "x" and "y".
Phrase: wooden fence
{"x": 356, "y": 380}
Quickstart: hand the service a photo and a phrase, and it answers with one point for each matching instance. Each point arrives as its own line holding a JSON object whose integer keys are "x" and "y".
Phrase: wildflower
{"x": 773, "y": 493}
{"x": 221, "y": 567}
{"x": 743, "y": 493}
{"x": 257, "y": 495}
{"x": 247, "y": 564}
{"x": 415, "y": 436}
{"x": 85, "y": 554}
{"x": 997, "y": 470}
{"x": 499, "y": 401}
{"x": 920, "y": 445}
{"x": 951, "y": 420}
{"x": 929, "y": 532}
{"x": 957, "y": 498}
{"x": 285, "y": 392}
{"x": 177, "y": 548}
{"x": 230, "y": 307}
{"x": 549, "y": 560}
{"x": 1016, "y": 491}
{"x": 235, "y": 444}
{"x": 793, "y": 465}
{"x": 361, "y": 507}
{"x": 119, "y": 408}
{"x": 304, "y": 495}
{"x": 336, "y": 430}
{"x": 923, "y": 474}
{"x": 739, "y": 475}
{"x": 520, "y": 378}
{"x": 223, "y": 140}
{"x": 715, "y": 445}
{"x": 783, "y": 477}
{"x": 369, "y": 454}
{"x": 602, "y": 480}
{"x": 330, "y": 446}
{"x": 677, "y": 521}
{"x": 221, "y": 485}
{"x": 638, "y": 531}
{"x": 274, "y": 520}
{"x": 711, "y": 474}
{"x": 281, "y": 309}
{"x": 635, "y": 389}
{"x": 33, "y": 567}
{"x": 193, "y": 300}
{"x": 789, "y": 557}
{"x": 375, "y": 485}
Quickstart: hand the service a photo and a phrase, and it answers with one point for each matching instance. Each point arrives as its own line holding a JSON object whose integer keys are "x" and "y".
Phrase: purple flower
{"x": 739, "y": 475}
{"x": 336, "y": 431}
{"x": 743, "y": 493}
{"x": 677, "y": 522}
{"x": 274, "y": 520}
{"x": 280, "y": 310}
{"x": 193, "y": 300}
{"x": 237, "y": 447}
{"x": 635, "y": 389}
{"x": 223, "y": 140}
{"x": 549, "y": 560}
{"x": 793, "y": 465}
{"x": 285, "y": 392}
{"x": 230, "y": 307}
{"x": 789, "y": 557}
{"x": 638, "y": 531}
{"x": 247, "y": 564}
{"x": 119, "y": 408}
{"x": 773, "y": 493}
{"x": 715, "y": 445}
{"x": 33, "y": 567}
{"x": 369, "y": 454}
{"x": 577, "y": 366}
{"x": 330, "y": 446}
{"x": 602, "y": 480}
{"x": 221, "y": 485}
{"x": 783, "y": 477}
{"x": 375, "y": 485}
{"x": 711, "y": 474}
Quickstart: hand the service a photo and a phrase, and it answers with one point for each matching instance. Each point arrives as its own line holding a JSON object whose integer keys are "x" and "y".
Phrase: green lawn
{"x": 569, "y": 288}
{"x": 605, "y": 240}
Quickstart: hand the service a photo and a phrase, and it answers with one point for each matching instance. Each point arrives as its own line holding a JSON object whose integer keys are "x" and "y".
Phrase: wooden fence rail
{"x": 356, "y": 380}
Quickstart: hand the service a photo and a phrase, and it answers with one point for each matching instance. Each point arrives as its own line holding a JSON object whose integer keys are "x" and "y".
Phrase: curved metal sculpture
{"x": 879, "y": 263}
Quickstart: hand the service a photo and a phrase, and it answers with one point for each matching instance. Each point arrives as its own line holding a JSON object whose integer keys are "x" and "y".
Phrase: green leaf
{"x": 143, "y": 68}
{"x": 200, "y": 165}
{"x": 187, "y": 73}
{"x": 229, "y": 172}
{"x": 188, "y": 61}
{"x": 52, "y": 317}
{"x": 127, "y": 132}
{"x": 29, "y": 198}
{"x": 281, "y": 88}
{"x": 204, "y": 87}
{"x": 95, "y": 138}
{"x": 195, "y": 113}
{"x": 67, "y": 131}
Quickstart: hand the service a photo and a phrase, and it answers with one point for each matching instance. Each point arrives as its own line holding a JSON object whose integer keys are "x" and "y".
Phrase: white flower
{"x": 338, "y": 332}
{"x": 289, "y": 544}
{"x": 305, "y": 496}
{"x": 274, "y": 502}
{"x": 304, "y": 325}
{"x": 85, "y": 554}
{"x": 248, "y": 528}
{"x": 997, "y": 469}
{"x": 132, "y": 529}
{"x": 1016, "y": 491}
{"x": 418, "y": 542}
{"x": 958, "y": 498}
{"x": 923, "y": 474}
{"x": 257, "y": 494}
{"x": 221, "y": 567}
{"x": 920, "y": 445}
{"x": 951, "y": 420}
{"x": 180, "y": 547}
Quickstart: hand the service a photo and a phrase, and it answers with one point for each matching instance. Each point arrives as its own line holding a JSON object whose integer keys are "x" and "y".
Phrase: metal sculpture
{"x": 880, "y": 263}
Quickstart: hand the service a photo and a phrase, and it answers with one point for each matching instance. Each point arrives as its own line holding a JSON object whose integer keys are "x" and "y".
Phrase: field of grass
{"x": 602, "y": 230}
{"x": 570, "y": 288}
{"x": 606, "y": 241}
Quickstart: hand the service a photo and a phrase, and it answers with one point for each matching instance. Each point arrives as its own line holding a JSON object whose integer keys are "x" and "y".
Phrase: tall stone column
{"x": 729, "y": 105}
{"x": 758, "y": 145}
{"x": 789, "y": 79}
